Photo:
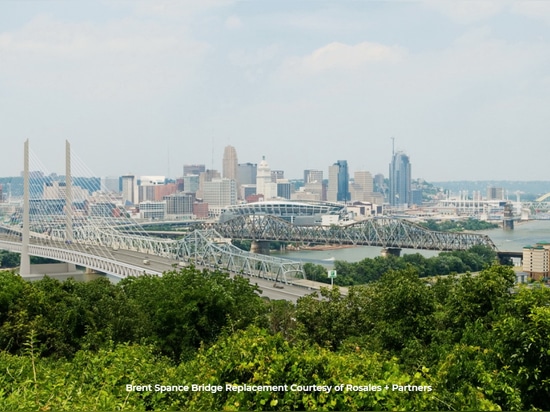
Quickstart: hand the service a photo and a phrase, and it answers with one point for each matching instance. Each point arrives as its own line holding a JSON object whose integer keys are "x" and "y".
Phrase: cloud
{"x": 538, "y": 10}
{"x": 233, "y": 22}
{"x": 340, "y": 56}
{"x": 124, "y": 59}
{"x": 467, "y": 12}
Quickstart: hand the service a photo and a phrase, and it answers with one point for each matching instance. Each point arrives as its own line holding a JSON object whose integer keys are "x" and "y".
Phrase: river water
{"x": 524, "y": 233}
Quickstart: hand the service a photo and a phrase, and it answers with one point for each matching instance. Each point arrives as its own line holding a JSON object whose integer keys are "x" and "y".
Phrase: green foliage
{"x": 458, "y": 225}
{"x": 185, "y": 308}
{"x": 254, "y": 357}
{"x": 11, "y": 286}
{"x": 90, "y": 381}
{"x": 479, "y": 342}
{"x": 369, "y": 270}
{"x": 242, "y": 244}
{"x": 9, "y": 259}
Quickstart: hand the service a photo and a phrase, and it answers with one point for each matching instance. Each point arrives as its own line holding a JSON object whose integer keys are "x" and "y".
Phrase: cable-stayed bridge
{"x": 56, "y": 223}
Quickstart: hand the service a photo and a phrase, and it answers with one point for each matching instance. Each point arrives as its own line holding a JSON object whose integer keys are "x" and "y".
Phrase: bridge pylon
{"x": 25, "y": 265}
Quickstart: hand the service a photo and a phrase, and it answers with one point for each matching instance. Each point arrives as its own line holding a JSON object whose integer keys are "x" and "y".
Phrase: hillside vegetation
{"x": 469, "y": 342}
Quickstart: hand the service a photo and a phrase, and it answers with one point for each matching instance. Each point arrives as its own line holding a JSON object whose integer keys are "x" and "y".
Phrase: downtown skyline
{"x": 147, "y": 87}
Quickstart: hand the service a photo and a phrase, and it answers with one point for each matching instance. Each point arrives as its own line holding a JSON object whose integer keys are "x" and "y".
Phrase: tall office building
{"x": 311, "y": 176}
{"x": 277, "y": 175}
{"x": 193, "y": 169}
{"x": 230, "y": 162}
{"x": 219, "y": 193}
{"x": 246, "y": 173}
{"x": 179, "y": 203}
{"x": 129, "y": 189}
{"x": 495, "y": 193}
{"x": 110, "y": 184}
{"x": 400, "y": 180}
{"x": 362, "y": 187}
{"x": 338, "y": 182}
{"x": 204, "y": 177}
{"x": 191, "y": 183}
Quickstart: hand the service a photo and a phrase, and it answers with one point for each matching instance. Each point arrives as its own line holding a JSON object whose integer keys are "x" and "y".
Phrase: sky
{"x": 144, "y": 87}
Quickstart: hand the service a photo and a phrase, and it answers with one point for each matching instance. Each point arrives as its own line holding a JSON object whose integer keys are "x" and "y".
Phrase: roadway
{"x": 157, "y": 265}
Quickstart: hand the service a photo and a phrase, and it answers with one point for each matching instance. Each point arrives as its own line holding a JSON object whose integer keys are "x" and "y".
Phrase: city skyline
{"x": 146, "y": 87}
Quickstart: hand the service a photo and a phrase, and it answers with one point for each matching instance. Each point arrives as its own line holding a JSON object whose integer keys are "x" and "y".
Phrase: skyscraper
{"x": 193, "y": 169}
{"x": 229, "y": 169}
{"x": 129, "y": 189}
{"x": 400, "y": 180}
{"x": 311, "y": 176}
{"x": 264, "y": 184}
{"x": 246, "y": 173}
{"x": 338, "y": 182}
{"x": 362, "y": 187}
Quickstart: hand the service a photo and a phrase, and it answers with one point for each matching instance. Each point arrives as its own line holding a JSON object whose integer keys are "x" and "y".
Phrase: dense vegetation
{"x": 458, "y": 225}
{"x": 76, "y": 346}
{"x": 370, "y": 269}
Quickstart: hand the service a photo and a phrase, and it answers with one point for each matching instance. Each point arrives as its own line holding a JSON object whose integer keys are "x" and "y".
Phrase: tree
{"x": 188, "y": 307}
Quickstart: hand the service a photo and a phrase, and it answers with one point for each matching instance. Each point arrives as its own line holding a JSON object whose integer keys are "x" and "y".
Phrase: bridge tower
{"x": 68, "y": 194}
{"x": 508, "y": 217}
{"x": 25, "y": 265}
{"x": 68, "y": 202}
{"x": 391, "y": 251}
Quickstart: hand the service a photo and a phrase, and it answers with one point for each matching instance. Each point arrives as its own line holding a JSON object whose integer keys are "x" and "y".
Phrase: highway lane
{"x": 158, "y": 265}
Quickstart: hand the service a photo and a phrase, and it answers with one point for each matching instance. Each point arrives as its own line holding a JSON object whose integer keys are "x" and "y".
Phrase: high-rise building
{"x": 193, "y": 169}
{"x": 536, "y": 260}
{"x": 338, "y": 182}
{"x": 284, "y": 188}
{"x": 495, "y": 193}
{"x": 206, "y": 176}
{"x": 277, "y": 175}
{"x": 311, "y": 176}
{"x": 400, "y": 180}
{"x": 179, "y": 203}
{"x": 362, "y": 187}
{"x": 191, "y": 183}
{"x": 110, "y": 184}
{"x": 264, "y": 185}
{"x": 129, "y": 189}
{"x": 219, "y": 193}
{"x": 230, "y": 162}
{"x": 246, "y": 173}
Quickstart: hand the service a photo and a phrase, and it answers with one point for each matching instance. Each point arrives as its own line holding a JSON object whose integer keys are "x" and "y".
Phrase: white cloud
{"x": 539, "y": 10}
{"x": 339, "y": 56}
{"x": 233, "y": 22}
{"x": 125, "y": 59}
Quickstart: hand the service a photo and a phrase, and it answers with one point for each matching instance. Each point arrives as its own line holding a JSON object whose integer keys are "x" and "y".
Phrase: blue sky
{"x": 145, "y": 87}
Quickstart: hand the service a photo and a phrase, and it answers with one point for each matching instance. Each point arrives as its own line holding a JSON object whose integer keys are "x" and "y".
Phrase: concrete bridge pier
{"x": 260, "y": 246}
{"x": 390, "y": 251}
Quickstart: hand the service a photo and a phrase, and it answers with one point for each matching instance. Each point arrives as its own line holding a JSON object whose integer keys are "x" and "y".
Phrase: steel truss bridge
{"x": 384, "y": 232}
{"x": 95, "y": 248}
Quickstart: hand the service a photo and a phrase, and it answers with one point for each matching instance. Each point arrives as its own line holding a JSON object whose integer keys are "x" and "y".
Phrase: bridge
{"x": 116, "y": 245}
{"x": 385, "y": 232}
